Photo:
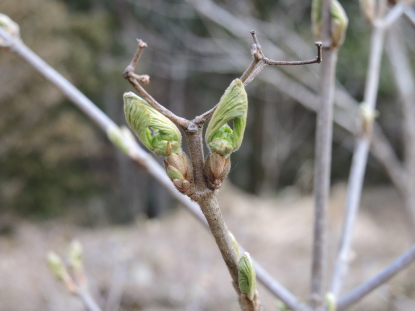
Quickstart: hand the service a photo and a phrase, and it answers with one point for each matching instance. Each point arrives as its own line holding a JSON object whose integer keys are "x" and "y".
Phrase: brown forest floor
{"x": 173, "y": 263}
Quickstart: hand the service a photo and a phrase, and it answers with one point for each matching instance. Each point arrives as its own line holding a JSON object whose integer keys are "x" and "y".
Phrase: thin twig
{"x": 361, "y": 152}
{"x": 405, "y": 83}
{"x": 87, "y": 299}
{"x": 410, "y": 15}
{"x": 322, "y": 167}
{"x": 132, "y": 78}
{"x": 260, "y": 61}
{"x": 362, "y": 290}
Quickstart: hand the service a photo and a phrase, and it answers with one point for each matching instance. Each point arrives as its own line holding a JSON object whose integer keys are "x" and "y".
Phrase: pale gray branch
{"x": 362, "y": 290}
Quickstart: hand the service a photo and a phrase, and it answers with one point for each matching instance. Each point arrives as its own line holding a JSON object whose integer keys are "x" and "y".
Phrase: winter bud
{"x": 216, "y": 169}
{"x": 247, "y": 276}
{"x": 339, "y": 22}
{"x": 331, "y": 302}
{"x": 75, "y": 255}
{"x": 180, "y": 171}
{"x": 233, "y": 106}
{"x": 154, "y": 130}
{"x": 10, "y": 27}
{"x": 367, "y": 116}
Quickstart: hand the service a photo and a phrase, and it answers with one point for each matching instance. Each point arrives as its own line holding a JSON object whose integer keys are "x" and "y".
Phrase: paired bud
{"x": 154, "y": 130}
{"x": 247, "y": 276}
{"x": 180, "y": 171}
{"x": 10, "y": 27}
{"x": 58, "y": 268}
{"x": 221, "y": 139}
{"x": 339, "y": 22}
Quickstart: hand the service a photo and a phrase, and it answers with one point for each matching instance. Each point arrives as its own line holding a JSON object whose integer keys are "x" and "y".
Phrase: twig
{"x": 88, "y": 301}
{"x": 410, "y": 15}
{"x": 405, "y": 82}
{"x": 361, "y": 152}
{"x": 324, "y": 133}
{"x": 260, "y": 61}
{"x": 132, "y": 78}
{"x": 362, "y": 290}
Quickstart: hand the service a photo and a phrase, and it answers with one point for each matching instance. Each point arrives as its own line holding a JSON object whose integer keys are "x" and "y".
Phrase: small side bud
{"x": 216, "y": 169}
{"x": 10, "y": 27}
{"x": 339, "y": 22}
{"x": 367, "y": 117}
{"x": 247, "y": 276}
{"x": 233, "y": 106}
{"x": 75, "y": 255}
{"x": 58, "y": 269}
{"x": 180, "y": 171}
{"x": 331, "y": 302}
{"x": 235, "y": 244}
{"x": 154, "y": 130}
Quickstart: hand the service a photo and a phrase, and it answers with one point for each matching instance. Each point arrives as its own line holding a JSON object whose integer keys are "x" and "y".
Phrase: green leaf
{"x": 247, "y": 276}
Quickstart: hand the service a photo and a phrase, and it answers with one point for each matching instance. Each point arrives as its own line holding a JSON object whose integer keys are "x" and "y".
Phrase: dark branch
{"x": 133, "y": 78}
{"x": 260, "y": 61}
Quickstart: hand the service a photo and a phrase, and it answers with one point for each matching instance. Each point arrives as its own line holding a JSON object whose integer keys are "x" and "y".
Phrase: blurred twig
{"x": 361, "y": 152}
{"x": 135, "y": 152}
{"x": 362, "y": 290}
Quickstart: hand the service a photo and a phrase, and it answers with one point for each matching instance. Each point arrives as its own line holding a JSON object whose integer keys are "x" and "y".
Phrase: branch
{"x": 410, "y": 15}
{"x": 361, "y": 152}
{"x": 132, "y": 78}
{"x": 322, "y": 166}
{"x": 260, "y": 61}
{"x": 135, "y": 152}
{"x": 362, "y": 290}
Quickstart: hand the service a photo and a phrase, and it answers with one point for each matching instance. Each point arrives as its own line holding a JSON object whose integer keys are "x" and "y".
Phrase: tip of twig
{"x": 319, "y": 44}
{"x": 141, "y": 43}
{"x": 252, "y": 32}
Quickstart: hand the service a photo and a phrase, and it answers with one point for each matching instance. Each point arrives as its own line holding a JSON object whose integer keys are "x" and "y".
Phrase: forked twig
{"x": 260, "y": 61}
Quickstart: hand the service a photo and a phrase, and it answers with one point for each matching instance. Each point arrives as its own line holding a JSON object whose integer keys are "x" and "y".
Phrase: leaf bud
{"x": 331, "y": 302}
{"x": 233, "y": 106}
{"x": 75, "y": 255}
{"x": 154, "y": 130}
{"x": 339, "y": 22}
{"x": 180, "y": 171}
{"x": 368, "y": 8}
{"x": 10, "y": 27}
{"x": 247, "y": 276}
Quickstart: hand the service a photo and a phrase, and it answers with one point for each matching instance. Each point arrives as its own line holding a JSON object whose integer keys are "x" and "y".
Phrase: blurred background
{"x": 60, "y": 178}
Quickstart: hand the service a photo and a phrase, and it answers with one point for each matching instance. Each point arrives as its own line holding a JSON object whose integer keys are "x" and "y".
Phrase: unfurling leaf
{"x": 247, "y": 276}
{"x": 233, "y": 106}
{"x": 339, "y": 22}
{"x": 154, "y": 130}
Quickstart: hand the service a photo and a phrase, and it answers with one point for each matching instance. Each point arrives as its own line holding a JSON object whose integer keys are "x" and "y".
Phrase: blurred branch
{"x": 322, "y": 158}
{"x": 410, "y": 15}
{"x": 361, "y": 152}
{"x": 135, "y": 152}
{"x": 362, "y": 290}
{"x": 405, "y": 83}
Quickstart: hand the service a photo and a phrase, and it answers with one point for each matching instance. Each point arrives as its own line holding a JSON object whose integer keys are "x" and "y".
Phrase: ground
{"x": 173, "y": 263}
